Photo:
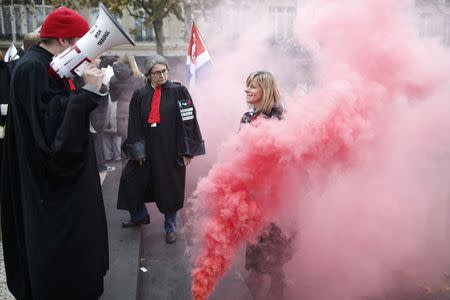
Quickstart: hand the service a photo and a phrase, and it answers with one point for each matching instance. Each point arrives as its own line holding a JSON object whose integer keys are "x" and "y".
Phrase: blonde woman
{"x": 263, "y": 97}
{"x": 272, "y": 248}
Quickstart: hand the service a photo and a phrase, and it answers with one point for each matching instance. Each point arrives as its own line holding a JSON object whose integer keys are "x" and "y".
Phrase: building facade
{"x": 434, "y": 19}
{"x": 16, "y": 20}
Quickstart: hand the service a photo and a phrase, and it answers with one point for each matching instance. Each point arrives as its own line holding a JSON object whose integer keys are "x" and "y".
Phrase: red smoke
{"x": 243, "y": 191}
{"x": 356, "y": 136}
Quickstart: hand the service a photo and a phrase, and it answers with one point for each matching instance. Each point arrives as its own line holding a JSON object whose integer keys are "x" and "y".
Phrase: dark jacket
{"x": 162, "y": 177}
{"x": 271, "y": 251}
{"x": 99, "y": 116}
{"x": 273, "y": 248}
{"x": 5, "y": 79}
{"x": 52, "y": 214}
{"x": 250, "y": 116}
{"x": 121, "y": 87}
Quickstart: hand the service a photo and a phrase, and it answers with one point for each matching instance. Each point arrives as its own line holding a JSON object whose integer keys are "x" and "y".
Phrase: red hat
{"x": 64, "y": 23}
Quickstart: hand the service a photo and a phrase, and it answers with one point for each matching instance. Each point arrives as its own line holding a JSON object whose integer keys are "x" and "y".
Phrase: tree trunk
{"x": 159, "y": 38}
{"x": 188, "y": 16}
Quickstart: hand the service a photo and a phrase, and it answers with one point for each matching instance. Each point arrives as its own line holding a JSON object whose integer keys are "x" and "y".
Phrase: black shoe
{"x": 171, "y": 237}
{"x": 130, "y": 223}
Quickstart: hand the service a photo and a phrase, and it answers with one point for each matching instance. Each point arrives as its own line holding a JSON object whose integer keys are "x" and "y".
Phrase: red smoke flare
{"x": 370, "y": 58}
{"x": 243, "y": 192}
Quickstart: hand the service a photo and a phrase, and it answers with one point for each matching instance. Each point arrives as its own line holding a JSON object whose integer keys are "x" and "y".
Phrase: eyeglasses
{"x": 159, "y": 73}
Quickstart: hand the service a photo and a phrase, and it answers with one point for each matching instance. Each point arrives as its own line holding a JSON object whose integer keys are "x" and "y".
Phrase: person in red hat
{"x": 52, "y": 213}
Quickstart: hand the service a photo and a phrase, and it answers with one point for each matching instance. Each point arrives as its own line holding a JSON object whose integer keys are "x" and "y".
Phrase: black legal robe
{"x": 5, "y": 79}
{"x": 162, "y": 177}
{"x": 53, "y": 218}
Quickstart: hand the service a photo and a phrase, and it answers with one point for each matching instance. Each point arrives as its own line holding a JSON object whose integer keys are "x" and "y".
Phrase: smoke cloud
{"x": 358, "y": 167}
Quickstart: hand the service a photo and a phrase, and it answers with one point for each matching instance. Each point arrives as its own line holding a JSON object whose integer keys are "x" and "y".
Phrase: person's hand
{"x": 93, "y": 76}
{"x": 187, "y": 160}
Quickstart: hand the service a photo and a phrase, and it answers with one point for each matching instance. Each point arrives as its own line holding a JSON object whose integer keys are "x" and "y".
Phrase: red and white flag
{"x": 198, "y": 59}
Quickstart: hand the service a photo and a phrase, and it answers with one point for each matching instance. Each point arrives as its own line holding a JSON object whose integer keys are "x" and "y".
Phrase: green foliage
{"x": 17, "y": 2}
{"x": 148, "y": 11}
{"x": 74, "y": 4}
{"x": 56, "y": 3}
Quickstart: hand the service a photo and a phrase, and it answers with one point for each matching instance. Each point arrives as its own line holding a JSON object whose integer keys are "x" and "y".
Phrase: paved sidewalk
{"x": 121, "y": 280}
{"x": 4, "y": 292}
{"x": 169, "y": 267}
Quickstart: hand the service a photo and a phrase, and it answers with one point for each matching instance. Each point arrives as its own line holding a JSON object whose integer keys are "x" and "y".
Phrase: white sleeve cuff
{"x": 93, "y": 89}
{"x": 4, "y": 109}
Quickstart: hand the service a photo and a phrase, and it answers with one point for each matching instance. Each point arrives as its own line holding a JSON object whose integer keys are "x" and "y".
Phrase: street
{"x": 167, "y": 266}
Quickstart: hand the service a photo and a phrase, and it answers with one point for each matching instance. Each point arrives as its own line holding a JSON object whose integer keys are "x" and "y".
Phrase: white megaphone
{"x": 105, "y": 34}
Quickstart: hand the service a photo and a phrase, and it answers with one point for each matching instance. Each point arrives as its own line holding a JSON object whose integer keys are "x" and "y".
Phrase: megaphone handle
{"x": 80, "y": 69}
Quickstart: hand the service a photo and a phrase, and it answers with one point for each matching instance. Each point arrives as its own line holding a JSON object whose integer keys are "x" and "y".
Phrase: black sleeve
{"x": 59, "y": 120}
{"x": 134, "y": 146}
{"x": 5, "y": 79}
{"x": 190, "y": 141}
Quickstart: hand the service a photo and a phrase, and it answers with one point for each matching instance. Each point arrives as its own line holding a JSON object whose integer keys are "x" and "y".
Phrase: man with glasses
{"x": 53, "y": 218}
{"x": 163, "y": 137}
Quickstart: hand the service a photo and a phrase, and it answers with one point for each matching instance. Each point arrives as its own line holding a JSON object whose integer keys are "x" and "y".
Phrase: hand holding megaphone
{"x": 105, "y": 34}
{"x": 93, "y": 76}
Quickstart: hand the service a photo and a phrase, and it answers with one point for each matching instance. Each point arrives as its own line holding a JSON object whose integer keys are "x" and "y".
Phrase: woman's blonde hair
{"x": 2, "y": 55}
{"x": 270, "y": 93}
{"x": 131, "y": 62}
